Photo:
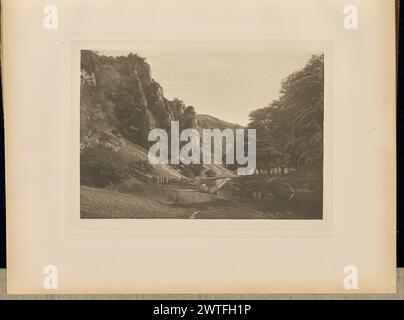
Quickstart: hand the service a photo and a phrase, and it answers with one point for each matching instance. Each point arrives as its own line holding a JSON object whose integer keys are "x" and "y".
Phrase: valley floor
{"x": 109, "y": 204}
{"x": 185, "y": 200}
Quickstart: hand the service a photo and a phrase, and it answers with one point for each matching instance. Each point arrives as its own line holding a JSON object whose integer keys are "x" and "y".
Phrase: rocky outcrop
{"x": 119, "y": 98}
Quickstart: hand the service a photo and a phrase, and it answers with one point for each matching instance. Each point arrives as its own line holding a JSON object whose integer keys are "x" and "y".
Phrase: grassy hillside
{"x": 208, "y": 122}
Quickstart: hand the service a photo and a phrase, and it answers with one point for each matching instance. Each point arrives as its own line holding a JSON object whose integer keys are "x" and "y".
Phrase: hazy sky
{"x": 223, "y": 79}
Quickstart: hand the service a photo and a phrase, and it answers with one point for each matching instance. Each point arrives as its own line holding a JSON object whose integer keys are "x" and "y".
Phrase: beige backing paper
{"x": 41, "y": 101}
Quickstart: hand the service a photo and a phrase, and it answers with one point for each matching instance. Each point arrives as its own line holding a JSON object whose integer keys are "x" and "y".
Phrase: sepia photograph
{"x": 192, "y": 149}
{"x": 202, "y": 130}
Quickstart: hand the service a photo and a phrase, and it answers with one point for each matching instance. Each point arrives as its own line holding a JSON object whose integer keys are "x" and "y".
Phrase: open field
{"x": 205, "y": 199}
{"x": 191, "y": 204}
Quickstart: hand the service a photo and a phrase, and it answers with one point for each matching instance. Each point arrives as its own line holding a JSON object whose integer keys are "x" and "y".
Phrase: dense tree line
{"x": 290, "y": 129}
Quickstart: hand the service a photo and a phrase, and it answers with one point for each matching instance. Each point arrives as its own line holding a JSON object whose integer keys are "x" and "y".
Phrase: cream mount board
{"x": 85, "y": 84}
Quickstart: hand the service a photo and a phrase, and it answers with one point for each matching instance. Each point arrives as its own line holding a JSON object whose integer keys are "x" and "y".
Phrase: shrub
{"x": 210, "y": 173}
{"x": 192, "y": 171}
{"x": 101, "y": 166}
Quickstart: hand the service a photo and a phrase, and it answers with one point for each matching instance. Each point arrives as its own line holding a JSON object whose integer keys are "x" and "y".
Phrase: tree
{"x": 290, "y": 129}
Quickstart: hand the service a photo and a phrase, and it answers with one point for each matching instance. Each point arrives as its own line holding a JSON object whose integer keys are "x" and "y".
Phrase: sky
{"x": 226, "y": 80}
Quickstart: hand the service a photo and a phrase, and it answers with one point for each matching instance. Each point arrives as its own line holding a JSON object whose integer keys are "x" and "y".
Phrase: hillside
{"x": 120, "y": 103}
{"x": 119, "y": 98}
{"x": 207, "y": 122}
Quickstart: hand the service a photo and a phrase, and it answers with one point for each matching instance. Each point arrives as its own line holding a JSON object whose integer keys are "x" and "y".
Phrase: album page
{"x": 200, "y": 146}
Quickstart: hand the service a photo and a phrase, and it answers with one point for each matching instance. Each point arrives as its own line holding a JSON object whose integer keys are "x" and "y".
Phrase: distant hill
{"x": 208, "y": 122}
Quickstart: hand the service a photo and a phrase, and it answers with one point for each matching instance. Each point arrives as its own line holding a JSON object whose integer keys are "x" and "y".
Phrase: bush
{"x": 192, "y": 171}
{"x": 210, "y": 173}
{"x": 186, "y": 171}
{"x": 101, "y": 166}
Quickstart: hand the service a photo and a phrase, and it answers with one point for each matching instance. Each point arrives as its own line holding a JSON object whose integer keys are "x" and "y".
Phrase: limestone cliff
{"x": 119, "y": 98}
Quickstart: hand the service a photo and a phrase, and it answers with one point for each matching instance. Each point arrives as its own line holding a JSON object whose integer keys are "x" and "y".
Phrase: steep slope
{"x": 133, "y": 152}
{"x": 120, "y": 104}
{"x": 119, "y": 97}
